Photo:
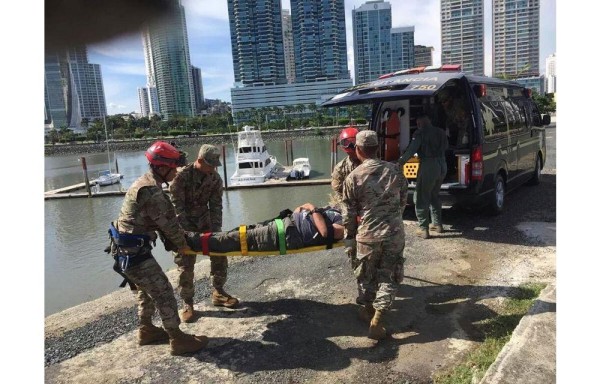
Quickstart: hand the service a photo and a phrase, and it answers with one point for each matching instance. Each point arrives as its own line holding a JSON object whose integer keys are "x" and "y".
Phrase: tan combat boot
{"x": 423, "y": 233}
{"x": 149, "y": 333}
{"x": 187, "y": 313}
{"x": 366, "y": 313}
{"x": 182, "y": 343}
{"x": 439, "y": 228}
{"x": 376, "y": 328}
{"x": 220, "y": 298}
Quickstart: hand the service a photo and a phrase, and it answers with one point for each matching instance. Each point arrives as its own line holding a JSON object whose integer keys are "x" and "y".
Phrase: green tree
{"x": 545, "y": 103}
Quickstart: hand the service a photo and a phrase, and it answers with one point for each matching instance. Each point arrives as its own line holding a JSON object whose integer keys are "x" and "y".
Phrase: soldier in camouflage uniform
{"x": 347, "y": 140}
{"x": 374, "y": 198}
{"x": 197, "y": 194}
{"x": 146, "y": 210}
{"x": 430, "y": 143}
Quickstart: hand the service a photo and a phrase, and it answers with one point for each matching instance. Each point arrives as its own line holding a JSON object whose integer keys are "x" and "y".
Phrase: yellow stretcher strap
{"x": 281, "y": 236}
{"x": 243, "y": 241}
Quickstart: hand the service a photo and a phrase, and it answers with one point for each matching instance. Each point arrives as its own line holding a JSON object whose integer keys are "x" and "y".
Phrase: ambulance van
{"x": 496, "y": 134}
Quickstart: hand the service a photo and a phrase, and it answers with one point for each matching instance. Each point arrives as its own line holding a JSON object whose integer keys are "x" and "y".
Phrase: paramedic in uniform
{"x": 430, "y": 143}
{"x": 145, "y": 210}
{"x": 376, "y": 191}
{"x": 197, "y": 194}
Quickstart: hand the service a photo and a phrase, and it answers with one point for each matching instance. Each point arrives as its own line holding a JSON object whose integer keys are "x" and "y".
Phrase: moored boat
{"x": 254, "y": 165}
{"x": 300, "y": 169}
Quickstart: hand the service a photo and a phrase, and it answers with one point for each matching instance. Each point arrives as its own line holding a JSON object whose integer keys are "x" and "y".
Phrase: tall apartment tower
{"x": 167, "y": 55}
{"x": 403, "y": 48}
{"x": 257, "y": 42}
{"x": 462, "y": 34}
{"x": 379, "y": 48}
{"x": 551, "y": 73}
{"x": 319, "y": 28}
{"x": 423, "y": 56}
{"x": 73, "y": 89}
{"x": 198, "y": 89}
{"x": 371, "y": 29}
{"x": 288, "y": 46}
{"x": 515, "y": 38}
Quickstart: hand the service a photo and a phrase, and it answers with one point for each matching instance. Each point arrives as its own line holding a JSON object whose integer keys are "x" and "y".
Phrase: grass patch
{"x": 497, "y": 331}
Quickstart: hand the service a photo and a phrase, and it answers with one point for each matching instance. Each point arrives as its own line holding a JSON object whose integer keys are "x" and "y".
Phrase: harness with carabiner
{"x": 124, "y": 260}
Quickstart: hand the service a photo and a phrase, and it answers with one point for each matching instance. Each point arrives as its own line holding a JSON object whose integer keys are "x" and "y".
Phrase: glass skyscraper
{"x": 379, "y": 48}
{"x": 516, "y": 38}
{"x": 73, "y": 89}
{"x": 257, "y": 42}
{"x": 168, "y": 62}
{"x": 462, "y": 34}
{"x": 320, "y": 50}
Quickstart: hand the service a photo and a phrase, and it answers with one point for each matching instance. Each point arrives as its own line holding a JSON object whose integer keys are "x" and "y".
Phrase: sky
{"x": 123, "y": 68}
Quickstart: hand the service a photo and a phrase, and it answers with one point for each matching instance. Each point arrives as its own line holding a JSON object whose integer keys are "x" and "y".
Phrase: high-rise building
{"x": 403, "y": 48}
{"x": 319, "y": 43}
{"x": 167, "y": 55}
{"x": 516, "y": 38}
{"x": 462, "y": 34}
{"x": 198, "y": 89}
{"x": 256, "y": 42}
{"x": 288, "y": 46}
{"x": 319, "y": 28}
{"x": 379, "y": 48}
{"x": 551, "y": 73}
{"x": 371, "y": 30}
{"x": 144, "y": 101}
{"x": 423, "y": 56}
{"x": 73, "y": 89}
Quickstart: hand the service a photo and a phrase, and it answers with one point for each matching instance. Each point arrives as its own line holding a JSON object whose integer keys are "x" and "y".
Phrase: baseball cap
{"x": 210, "y": 154}
{"x": 366, "y": 138}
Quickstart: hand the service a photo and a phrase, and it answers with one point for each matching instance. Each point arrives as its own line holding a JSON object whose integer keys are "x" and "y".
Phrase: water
{"x": 76, "y": 268}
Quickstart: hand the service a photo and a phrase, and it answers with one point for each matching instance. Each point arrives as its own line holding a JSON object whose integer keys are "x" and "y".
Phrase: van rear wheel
{"x": 498, "y": 197}
{"x": 537, "y": 173}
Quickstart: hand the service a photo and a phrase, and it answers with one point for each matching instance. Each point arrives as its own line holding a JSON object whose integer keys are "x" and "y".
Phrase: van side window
{"x": 493, "y": 114}
{"x": 515, "y": 119}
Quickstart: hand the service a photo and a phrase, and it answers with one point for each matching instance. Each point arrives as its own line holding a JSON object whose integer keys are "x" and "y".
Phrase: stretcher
{"x": 244, "y": 245}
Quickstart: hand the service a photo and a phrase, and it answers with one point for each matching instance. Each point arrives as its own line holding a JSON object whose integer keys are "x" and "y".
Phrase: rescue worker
{"x": 347, "y": 140}
{"x": 197, "y": 194}
{"x": 146, "y": 210}
{"x": 431, "y": 144}
{"x": 376, "y": 191}
{"x": 306, "y": 226}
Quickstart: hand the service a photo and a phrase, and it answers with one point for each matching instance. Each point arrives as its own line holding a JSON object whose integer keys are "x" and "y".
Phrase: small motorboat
{"x": 300, "y": 169}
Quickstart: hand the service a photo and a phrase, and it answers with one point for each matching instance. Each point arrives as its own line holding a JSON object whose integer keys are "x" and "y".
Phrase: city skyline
{"x": 123, "y": 67}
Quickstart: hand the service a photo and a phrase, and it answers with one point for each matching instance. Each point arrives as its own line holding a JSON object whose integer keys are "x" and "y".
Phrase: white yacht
{"x": 254, "y": 165}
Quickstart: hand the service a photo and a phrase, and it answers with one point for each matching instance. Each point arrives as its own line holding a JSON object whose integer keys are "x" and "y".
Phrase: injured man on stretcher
{"x": 306, "y": 226}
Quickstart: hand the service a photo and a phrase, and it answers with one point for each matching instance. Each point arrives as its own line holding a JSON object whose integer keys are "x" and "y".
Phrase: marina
{"x": 75, "y": 231}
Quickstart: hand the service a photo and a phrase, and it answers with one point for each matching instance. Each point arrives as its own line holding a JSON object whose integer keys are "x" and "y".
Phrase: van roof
{"x": 422, "y": 84}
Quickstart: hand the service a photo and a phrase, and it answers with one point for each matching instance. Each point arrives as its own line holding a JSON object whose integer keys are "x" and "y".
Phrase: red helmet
{"x": 347, "y": 139}
{"x": 162, "y": 153}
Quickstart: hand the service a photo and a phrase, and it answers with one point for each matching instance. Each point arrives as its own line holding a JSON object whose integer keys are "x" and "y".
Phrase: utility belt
{"x": 141, "y": 244}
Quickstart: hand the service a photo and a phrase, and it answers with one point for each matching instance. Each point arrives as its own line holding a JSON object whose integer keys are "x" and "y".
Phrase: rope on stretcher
{"x": 244, "y": 245}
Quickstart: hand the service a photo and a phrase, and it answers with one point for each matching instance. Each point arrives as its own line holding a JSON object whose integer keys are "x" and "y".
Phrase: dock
{"x": 279, "y": 179}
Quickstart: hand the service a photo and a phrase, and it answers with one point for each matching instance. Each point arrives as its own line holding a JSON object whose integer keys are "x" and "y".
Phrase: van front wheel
{"x": 498, "y": 197}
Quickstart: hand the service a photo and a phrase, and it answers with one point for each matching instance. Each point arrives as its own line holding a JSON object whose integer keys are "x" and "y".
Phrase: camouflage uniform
{"x": 376, "y": 191}
{"x": 430, "y": 143}
{"x": 340, "y": 171}
{"x": 198, "y": 201}
{"x": 339, "y": 174}
{"x": 147, "y": 209}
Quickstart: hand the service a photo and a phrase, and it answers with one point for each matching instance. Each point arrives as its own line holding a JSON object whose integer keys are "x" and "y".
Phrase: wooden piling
{"x": 287, "y": 157}
{"x": 224, "y": 166}
{"x": 85, "y": 177}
